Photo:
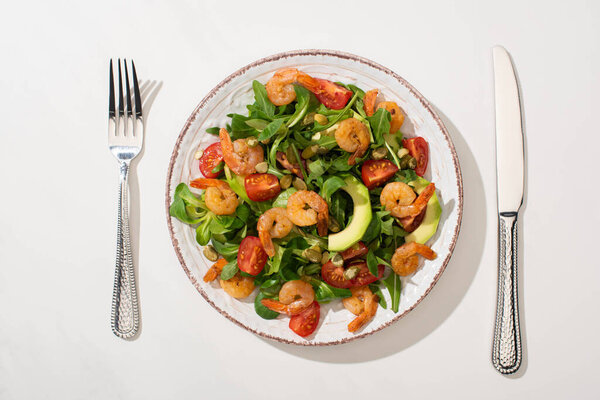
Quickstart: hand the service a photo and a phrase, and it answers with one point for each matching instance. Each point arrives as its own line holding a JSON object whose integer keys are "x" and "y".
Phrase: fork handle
{"x": 125, "y": 313}
{"x": 506, "y": 354}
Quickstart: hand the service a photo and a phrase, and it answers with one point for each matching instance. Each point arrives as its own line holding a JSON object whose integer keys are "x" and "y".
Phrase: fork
{"x": 125, "y": 140}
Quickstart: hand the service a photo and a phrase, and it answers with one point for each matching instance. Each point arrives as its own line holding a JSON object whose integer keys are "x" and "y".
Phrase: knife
{"x": 506, "y": 349}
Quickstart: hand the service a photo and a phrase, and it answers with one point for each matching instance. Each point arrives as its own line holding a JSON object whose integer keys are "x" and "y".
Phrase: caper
{"x": 299, "y": 184}
{"x": 198, "y": 154}
{"x": 337, "y": 260}
{"x": 309, "y": 118}
{"x": 402, "y": 152}
{"x": 211, "y": 253}
{"x": 262, "y": 167}
{"x": 408, "y": 161}
{"x": 334, "y": 226}
{"x": 252, "y": 142}
{"x": 309, "y": 151}
{"x": 321, "y": 119}
{"x": 351, "y": 272}
{"x": 312, "y": 255}
{"x": 324, "y": 257}
{"x": 285, "y": 181}
{"x": 379, "y": 153}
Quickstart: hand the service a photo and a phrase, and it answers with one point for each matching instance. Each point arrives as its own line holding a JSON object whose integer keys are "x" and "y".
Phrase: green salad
{"x": 313, "y": 195}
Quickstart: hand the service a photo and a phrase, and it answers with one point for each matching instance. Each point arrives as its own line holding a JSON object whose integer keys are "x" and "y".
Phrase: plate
{"x": 232, "y": 95}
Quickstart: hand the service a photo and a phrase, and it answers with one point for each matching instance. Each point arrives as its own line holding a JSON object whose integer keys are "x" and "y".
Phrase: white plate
{"x": 232, "y": 95}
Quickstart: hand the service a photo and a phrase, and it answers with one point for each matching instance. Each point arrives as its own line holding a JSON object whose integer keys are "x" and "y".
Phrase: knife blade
{"x": 506, "y": 348}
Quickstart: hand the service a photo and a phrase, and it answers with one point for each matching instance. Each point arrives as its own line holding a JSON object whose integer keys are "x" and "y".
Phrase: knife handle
{"x": 506, "y": 354}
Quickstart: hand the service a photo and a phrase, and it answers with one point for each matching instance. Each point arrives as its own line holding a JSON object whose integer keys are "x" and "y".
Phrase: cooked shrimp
{"x": 405, "y": 260}
{"x": 363, "y": 303}
{"x": 219, "y": 197}
{"x": 239, "y": 286}
{"x": 238, "y": 156}
{"x": 214, "y": 271}
{"x": 397, "y": 116}
{"x": 305, "y": 208}
{"x": 294, "y": 297}
{"x": 280, "y": 88}
{"x": 274, "y": 223}
{"x": 353, "y": 136}
{"x": 399, "y": 199}
{"x": 369, "y": 102}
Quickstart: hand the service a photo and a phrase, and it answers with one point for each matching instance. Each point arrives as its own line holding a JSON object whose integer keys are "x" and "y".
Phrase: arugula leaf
{"x": 214, "y": 130}
{"x": 262, "y": 100}
{"x": 324, "y": 292}
{"x": 372, "y": 263}
{"x": 380, "y": 124}
{"x": 394, "y": 287}
{"x": 405, "y": 175}
{"x": 377, "y": 291}
{"x": 229, "y": 270}
{"x": 338, "y": 207}
{"x": 258, "y": 124}
{"x": 282, "y": 198}
{"x": 337, "y": 118}
{"x": 386, "y": 223}
{"x": 373, "y": 229}
{"x": 303, "y": 101}
{"x": 330, "y": 186}
{"x": 261, "y": 310}
{"x": 271, "y": 129}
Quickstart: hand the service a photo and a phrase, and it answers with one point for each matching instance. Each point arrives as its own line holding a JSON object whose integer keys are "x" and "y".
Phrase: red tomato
{"x": 365, "y": 277}
{"x": 419, "y": 149}
{"x": 306, "y": 322}
{"x": 334, "y": 276}
{"x": 262, "y": 187}
{"x": 351, "y": 253}
{"x": 377, "y": 172}
{"x": 251, "y": 256}
{"x": 331, "y": 95}
{"x": 211, "y": 157}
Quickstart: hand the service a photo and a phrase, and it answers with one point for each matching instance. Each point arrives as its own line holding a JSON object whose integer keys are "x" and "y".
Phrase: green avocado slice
{"x": 432, "y": 216}
{"x": 360, "y": 220}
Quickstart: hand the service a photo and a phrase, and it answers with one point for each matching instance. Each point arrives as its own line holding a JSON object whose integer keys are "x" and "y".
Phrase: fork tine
{"x": 127, "y": 92}
{"x": 111, "y": 92}
{"x": 136, "y": 92}
{"x": 121, "y": 108}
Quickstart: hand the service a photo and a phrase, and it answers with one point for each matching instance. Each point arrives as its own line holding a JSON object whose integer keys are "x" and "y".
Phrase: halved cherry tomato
{"x": 251, "y": 256}
{"x": 262, "y": 187}
{"x": 365, "y": 277}
{"x": 356, "y": 251}
{"x": 306, "y": 322}
{"x": 377, "y": 172}
{"x": 335, "y": 275}
{"x": 211, "y": 157}
{"x": 331, "y": 95}
{"x": 419, "y": 149}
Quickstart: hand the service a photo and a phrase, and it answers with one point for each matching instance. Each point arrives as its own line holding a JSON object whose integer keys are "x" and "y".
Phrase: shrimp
{"x": 363, "y": 303}
{"x": 274, "y": 223}
{"x": 294, "y": 297}
{"x": 219, "y": 197}
{"x": 238, "y": 156}
{"x": 306, "y": 208}
{"x": 405, "y": 260}
{"x": 399, "y": 199}
{"x": 214, "y": 271}
{"x": 397, "y": 116}
{"x": 353, "y": 136}
{"x": 239, "y": 286}
{"x": 280, "y": 88}
{"x": 369, "y": 102}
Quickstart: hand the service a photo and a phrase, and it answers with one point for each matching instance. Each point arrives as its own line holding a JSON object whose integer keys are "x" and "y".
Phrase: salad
{"x": 313, "y": 196}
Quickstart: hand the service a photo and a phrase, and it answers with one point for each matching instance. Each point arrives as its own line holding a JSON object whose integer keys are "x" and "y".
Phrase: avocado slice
{"x": 360, "y": 220}
{"x": 432, "y": 215}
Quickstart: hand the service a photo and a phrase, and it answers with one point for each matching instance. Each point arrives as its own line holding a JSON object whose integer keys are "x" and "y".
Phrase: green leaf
{"x": 282, "y": 198}
{"x": 228, "y": 251}
{"x": 214, "y": 130}
{"x": 394, "y": 287}
{"x": 338, "y": 207}
{"x": 330, "y": 186}
{"x": 183, "y": 192}
{"x": 203, "y": 233}
{"x": 258, "y": 124}
{"x": 239, "y": 126}
{"x": 341, "y": 163}
{"x": 377, "y": 291}
{"x": 406, "y": 176}
{"x": 178, "y": 210}
{"x": 337, "y": 118}
{"x": 262, "y": 100}
{"x": 271, "y": 129}
{"x": 271, "y": 287}
{"x": 380, "y": 124}
{"x": 373, "y": 230}
{"x": 303, "y": 101}
{"x": 372, "y": 263}
{"x": 242, "y": 212}
{"x": 261, "y": 310}
{"x": 229, "y": 270}
{"x": 324, "y": 292}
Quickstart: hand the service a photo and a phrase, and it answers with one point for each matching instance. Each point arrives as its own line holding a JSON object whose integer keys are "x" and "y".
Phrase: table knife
{"x": 506, "y": 349}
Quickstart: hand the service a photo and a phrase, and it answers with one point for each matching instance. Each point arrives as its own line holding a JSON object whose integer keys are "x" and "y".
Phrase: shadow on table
{"x": 148, "y": 92}
{"x": 448, "y": 292}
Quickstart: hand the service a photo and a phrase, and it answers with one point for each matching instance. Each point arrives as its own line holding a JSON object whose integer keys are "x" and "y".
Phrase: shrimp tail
{"x": 204, "y": 183}
{"x": 369, "y": 102}
{"x": 227, "y": 148}
{"x": 322, "y": 223}
{"x": 265, "y": 240}
{"x": 366, "y": 315}
{"x": 214, "y": 271}
{"x": 425, "y": 251}
{"x": 275, "y": 305}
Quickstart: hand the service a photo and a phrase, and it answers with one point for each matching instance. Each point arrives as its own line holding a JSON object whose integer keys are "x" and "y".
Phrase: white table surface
{"x": 58, "y": 203}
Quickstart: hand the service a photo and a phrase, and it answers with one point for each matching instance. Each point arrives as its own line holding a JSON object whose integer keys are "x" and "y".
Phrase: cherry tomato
{"x": 306, "y": 322}
{"x": 211, "y": 157}
{"x": 331, "y": 95}
{"x": 335, "y": 276}
{"x": 262, "y": 187}
{"x": 352, "y": 253}
{"x": 251, "y": 256}
{"x": 377, "y": 172}
{"x": 364, "y": 276}
{"x": 419, "y": 149}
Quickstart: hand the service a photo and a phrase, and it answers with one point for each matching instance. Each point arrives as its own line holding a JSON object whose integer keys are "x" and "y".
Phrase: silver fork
{"x": 125, "y": 140}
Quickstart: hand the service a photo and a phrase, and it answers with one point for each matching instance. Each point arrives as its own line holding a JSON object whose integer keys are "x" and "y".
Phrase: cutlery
{"x": 506, "y": 353}
{"x": 125, "y": 140}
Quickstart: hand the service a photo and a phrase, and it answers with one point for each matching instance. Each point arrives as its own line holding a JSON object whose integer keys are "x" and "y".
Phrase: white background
{"x": 59, "y": 188}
